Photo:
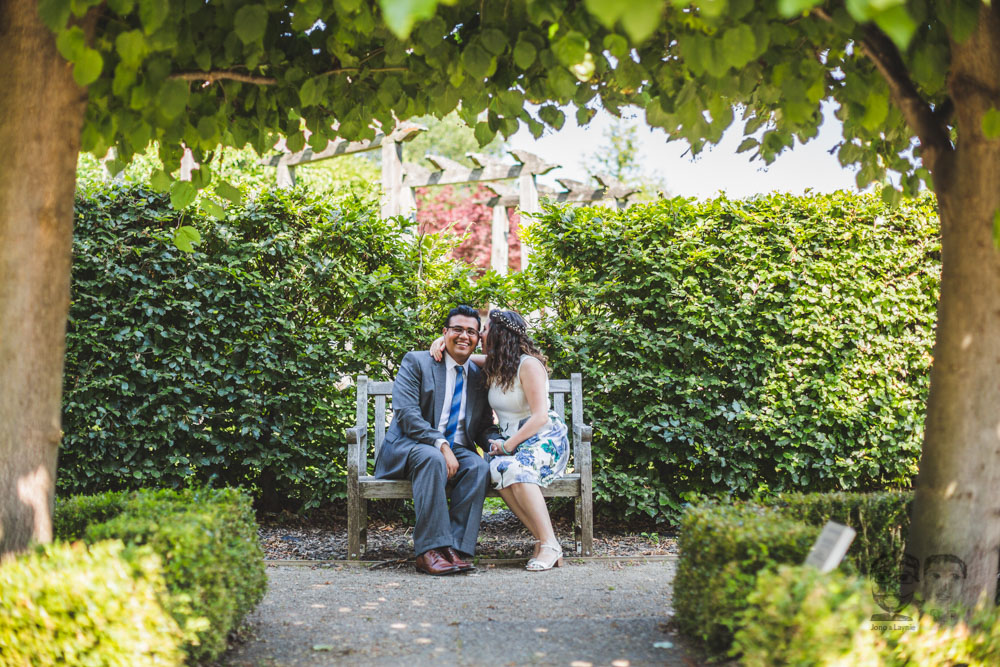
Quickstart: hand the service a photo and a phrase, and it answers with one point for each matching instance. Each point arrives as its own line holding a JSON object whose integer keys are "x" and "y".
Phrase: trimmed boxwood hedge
{"x": 212, "y": 562}
{"x": 73, "y": 604}
{"x": 798, "y": 616}
{"x": 772, "y": 344}
{"x": 725, "y": 544}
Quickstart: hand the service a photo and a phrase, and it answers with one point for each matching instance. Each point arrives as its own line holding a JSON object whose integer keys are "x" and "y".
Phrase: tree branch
{"x": 931, "y": 128}
{"x": 212, "y": 77}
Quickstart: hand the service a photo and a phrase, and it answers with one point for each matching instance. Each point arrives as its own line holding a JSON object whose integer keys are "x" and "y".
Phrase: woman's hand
{"x": 437, "y": 348}
{"x": 496, "y": 448}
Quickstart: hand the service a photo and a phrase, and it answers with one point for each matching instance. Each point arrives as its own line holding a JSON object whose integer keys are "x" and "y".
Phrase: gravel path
{"x": 585, "y": 614}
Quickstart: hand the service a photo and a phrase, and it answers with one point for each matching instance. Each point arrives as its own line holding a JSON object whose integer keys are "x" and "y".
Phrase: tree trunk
{"x": 956, "y": 516}
{"x": 41, "y": 115}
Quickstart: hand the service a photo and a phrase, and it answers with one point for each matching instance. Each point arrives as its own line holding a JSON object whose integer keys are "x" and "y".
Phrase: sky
{"x": 714, "y": 170}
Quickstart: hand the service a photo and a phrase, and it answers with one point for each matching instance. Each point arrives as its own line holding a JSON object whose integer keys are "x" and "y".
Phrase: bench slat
{"x": 380, "y": 388}
{"x": 567, "y": 485}
{"x": 379, "y": 423}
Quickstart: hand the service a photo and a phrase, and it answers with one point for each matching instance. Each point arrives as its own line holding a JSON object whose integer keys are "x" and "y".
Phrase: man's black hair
{"x": 467, "y": 311}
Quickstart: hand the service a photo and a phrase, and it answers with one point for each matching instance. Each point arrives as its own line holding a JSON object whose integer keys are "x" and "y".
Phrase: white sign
{"x": 830, "y": 547}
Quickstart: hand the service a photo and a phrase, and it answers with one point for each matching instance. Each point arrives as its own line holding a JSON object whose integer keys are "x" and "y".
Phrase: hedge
{"x": 797, "y": 616}
{"x": 231, "y": 365}
{"x": 725, "y": 544}
{"x": 71, "y": 604}
{"x": 212, "y": 563}
{"x": 772, "y": 344}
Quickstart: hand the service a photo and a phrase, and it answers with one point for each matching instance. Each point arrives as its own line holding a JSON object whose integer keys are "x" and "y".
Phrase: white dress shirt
{"x": 449, "y": 393}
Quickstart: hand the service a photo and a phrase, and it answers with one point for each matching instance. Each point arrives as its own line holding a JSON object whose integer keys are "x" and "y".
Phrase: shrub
{"x": 723, "y": 547}
{"x": 72, "y": 515}
{"x": 212, "y": 561}
{"x": 881, "y": 520}
{"x": 772, "y": 344}
{"x": 721, "y": 550}
{"x": 70, "y": 604}
{"x": 228, "y": 365}
{"x": 797, "y": 616}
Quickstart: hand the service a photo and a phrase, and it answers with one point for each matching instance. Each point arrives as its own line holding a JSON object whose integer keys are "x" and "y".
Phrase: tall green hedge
{"x": 228, "y": 365}
{"x": 778, "y": 343}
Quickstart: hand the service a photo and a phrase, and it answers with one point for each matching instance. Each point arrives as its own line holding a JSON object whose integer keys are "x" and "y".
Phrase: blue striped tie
{"x": 456, "y": 405}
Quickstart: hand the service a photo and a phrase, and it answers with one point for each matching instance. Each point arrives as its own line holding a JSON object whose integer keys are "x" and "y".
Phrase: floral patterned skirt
{"x": 539, "y": 460}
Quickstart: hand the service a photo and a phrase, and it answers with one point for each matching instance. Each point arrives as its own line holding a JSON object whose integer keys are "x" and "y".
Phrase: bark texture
{"x": 957, "y": 507}
{"x": 41, "y": 115}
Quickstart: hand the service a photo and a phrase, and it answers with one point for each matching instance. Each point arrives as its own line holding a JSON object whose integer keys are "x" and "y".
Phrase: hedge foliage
{"x": 72, "y": 604}
{"x": 206, "y": 540}
{"x": 772, "y": 344}
{"x": 797, "y": 616}
{"x": 724, "y": 546}
{"x": 229, "y": 365}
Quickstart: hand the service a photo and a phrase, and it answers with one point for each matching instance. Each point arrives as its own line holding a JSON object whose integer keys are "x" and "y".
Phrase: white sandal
{"x": 539, "y": 565}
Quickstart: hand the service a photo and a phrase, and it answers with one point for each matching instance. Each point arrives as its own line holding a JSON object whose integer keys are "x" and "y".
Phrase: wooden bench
{"x": 361, "y": 486}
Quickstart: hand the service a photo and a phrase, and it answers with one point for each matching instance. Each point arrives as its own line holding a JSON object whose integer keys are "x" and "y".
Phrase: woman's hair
{"x": 507, "y": 341}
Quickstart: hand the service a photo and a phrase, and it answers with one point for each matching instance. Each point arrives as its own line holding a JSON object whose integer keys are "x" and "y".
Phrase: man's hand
{"x": 450, "y": 462}
{"x": 495, "y": 448}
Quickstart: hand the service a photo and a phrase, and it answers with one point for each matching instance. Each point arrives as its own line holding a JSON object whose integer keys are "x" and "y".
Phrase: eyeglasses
{"x": 458, "y": 331}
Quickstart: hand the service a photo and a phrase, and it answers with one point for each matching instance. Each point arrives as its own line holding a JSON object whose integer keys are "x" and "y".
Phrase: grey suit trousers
{"x": 440, "y": 523}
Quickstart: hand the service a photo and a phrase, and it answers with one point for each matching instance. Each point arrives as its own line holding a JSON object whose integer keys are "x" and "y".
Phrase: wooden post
{"x": 529, "y": 204}
{"x": 392, "y": 178}
{"x": 499, "y": 244}
{"x": 187, "y": 165}
{"x": 286, "y": 176}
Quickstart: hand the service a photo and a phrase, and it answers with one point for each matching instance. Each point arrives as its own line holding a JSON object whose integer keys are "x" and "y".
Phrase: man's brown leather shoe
{"x": 456, "y": 560}
{"x": 434, "y": 563}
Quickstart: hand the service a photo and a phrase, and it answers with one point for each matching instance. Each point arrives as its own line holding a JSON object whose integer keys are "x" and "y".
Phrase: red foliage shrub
{"x": 465, "y": 211}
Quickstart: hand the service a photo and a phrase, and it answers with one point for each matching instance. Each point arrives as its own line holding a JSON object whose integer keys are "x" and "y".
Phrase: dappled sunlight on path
{"x": 586, "y": 614}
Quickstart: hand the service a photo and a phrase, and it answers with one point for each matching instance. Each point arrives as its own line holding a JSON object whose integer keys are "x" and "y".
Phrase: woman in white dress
{"x": 535, "y": 447}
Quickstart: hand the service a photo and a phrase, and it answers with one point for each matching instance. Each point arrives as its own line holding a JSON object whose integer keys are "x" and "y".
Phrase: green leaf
{"x": 87, "y": 67}
{"x": 585, "y": 69}
{"x": 250, "y": 23}
{"x": 310, "y": 91}
{"x": 172, "y": 97}
{"x": 484, "y": 134}
{"x": 54, "y": 13}
{"x": 616, "y": 46}
{"x": 401, "y": 15}
{"x": 746, "y": 145}
{"x": 478, "y": 61}
{"x": 186, "y": 237}
{"x": 494, "y": 40}
{"x": 740, "y": 46}
{"x": 606, "y": 11}
{"x": 182, "y": 193}
{"x": 897, "y": 24}
{"x": 642, "y": 19}
{"x": 227, "y": 191}
{"x": 552, "y": 116}
{"x": 213, "y": 209}
{"x": 160, "y": 180}
{"x": 991, "y": 123}
{"x": 524, "y": 54}
{"x": 571, "y": 48}
{"x": 996, "y": 228}
{"x": 152, "y": 13}
{"x": 71, "y": 43}
{"x": 790, "y": 8}
{"x": 131, "y": 46}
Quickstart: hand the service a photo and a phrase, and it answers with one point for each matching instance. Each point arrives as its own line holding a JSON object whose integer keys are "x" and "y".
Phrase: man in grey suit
{"x": 440, "y": 412}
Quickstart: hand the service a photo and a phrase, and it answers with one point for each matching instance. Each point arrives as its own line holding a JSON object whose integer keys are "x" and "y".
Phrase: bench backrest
{"x": 558, "y": 390}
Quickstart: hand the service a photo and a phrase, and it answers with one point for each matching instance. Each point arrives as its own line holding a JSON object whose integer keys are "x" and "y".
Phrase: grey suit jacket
{"x": 417, "y": 401}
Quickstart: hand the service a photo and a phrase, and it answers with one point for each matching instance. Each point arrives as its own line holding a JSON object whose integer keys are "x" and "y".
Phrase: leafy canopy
{"x": 227, "y": 72}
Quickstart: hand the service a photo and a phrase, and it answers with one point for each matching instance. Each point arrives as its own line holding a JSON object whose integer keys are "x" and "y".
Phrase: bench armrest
{"x": 357, "y": 444}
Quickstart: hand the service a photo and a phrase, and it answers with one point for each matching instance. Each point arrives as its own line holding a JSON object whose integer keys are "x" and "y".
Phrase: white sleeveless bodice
{"x": 511, "y": 406}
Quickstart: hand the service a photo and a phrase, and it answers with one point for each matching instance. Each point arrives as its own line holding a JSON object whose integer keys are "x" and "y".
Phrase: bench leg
{"x": 357, "y": 521}
{"x": 363, "y": 532}
{"x": 587, "y": 510}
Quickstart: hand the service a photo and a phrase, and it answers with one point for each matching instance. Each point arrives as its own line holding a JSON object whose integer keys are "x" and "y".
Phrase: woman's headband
{"x": 507, "y": 321}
